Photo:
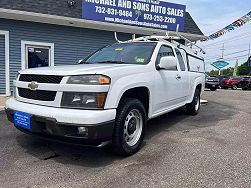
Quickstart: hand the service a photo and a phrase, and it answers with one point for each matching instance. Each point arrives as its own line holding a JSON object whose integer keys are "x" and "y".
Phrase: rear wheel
{"x": 129, "y": 127}
{"x": 234, "y": 87}
{"x": 194, "y": 107}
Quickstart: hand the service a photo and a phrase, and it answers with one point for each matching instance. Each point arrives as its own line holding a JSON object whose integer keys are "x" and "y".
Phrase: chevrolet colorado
{"x": 109, "y": 96}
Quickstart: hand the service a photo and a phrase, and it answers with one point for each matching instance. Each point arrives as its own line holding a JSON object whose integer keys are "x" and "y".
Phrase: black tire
{"x": 192, "y": 108}
{"x": 119, "y": 144}
{"x": 234, "y": 87}
{"x": 213, "y": 89}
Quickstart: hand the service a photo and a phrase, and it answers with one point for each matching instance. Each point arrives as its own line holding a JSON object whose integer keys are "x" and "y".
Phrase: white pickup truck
{"x": 109, "y": 96}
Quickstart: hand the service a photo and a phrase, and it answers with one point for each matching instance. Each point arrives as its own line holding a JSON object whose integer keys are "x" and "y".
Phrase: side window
{"x": 181, "y": 60}
{"x": 164, "y": 51}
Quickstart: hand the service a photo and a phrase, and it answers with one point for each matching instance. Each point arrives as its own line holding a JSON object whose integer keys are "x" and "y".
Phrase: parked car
{"x": 221, "y": 77}
{"x": 245, "y": 83}
{"x": 110, "y": 95}
{"x": 212, "y": 83}
{"x": 233, "y": 83}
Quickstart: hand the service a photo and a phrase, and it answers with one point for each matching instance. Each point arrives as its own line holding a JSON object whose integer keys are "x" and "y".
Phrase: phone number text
{"x": 113, "y": 11}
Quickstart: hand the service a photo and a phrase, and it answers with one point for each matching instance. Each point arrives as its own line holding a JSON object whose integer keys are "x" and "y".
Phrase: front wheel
{"x": 129, "y": 128}
{"x": 194, "y": 107}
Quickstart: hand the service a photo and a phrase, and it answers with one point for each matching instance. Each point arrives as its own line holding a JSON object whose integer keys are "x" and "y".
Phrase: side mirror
{"x": 80, "y": 61}
{"x": 168, "y": 63}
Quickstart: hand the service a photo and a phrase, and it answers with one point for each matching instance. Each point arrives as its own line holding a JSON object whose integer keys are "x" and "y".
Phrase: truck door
{"x": 183, "y": 74}
{"x": 167, "y": 84}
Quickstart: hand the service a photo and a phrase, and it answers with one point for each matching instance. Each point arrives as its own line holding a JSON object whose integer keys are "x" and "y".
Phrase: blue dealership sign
{"x": 142, "y": 13}
{"x": 220, "y": 64}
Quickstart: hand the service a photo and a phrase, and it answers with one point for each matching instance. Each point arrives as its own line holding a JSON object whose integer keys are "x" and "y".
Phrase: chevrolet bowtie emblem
{"x": 33, "y": 86}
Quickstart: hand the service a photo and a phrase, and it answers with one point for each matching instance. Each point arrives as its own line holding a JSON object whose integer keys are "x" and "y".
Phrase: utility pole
{"x": 235, "y": 68}
{"x": 249, "y": 50}
{"x": 222, "y": 55}
{"x": 222, "y": 49}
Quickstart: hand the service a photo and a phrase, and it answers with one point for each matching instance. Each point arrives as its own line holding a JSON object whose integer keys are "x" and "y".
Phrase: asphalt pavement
{"x": 212, "y": 149}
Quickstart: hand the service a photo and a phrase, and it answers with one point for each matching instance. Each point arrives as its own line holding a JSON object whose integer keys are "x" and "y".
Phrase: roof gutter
{"x": 90, "y": 24}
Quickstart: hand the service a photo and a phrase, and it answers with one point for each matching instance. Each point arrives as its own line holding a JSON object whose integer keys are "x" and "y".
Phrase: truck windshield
{"x": 123, "y": 53}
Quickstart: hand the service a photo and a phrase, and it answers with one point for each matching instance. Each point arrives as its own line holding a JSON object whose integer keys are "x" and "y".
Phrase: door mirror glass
{"x": 168, "y": 63}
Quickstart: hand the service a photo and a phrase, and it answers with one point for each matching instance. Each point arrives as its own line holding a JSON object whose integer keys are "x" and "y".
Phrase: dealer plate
{"x": 22, "y": 119}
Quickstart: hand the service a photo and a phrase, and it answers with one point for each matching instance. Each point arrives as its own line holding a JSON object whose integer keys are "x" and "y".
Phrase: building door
{"x": 2, "y": 65}
{"x": 37, "y": 56}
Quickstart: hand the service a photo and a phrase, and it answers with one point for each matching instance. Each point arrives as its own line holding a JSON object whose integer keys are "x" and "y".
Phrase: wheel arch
{"x": 197, "y": 85}
{"x": 141, "y": 93}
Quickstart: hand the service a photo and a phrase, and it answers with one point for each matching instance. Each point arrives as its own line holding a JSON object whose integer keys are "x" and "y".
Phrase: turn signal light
{"x": 101, "y": 97}
{"x": 104, "y": 80}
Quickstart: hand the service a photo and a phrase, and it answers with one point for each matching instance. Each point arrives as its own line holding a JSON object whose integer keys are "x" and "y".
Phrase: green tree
{"x": 244, "y": 69}
{"x": 213, "y": 73}
{"x": 228, "y": 72}
{"x": 138, "y": 13}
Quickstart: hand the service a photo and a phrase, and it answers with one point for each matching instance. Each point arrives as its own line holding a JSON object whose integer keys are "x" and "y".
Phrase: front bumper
{"x": 63, "y": 115}
{"x": 210, "y": 85}
{"x": 49, "y": 127}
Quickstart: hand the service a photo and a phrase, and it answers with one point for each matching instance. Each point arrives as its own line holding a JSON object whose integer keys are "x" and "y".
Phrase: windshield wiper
{"x": 115, "y": 62}
{"x": 84, "y": 62}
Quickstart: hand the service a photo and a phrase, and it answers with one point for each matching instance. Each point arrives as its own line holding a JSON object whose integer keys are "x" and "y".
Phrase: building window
{"x": 37, "y": 54}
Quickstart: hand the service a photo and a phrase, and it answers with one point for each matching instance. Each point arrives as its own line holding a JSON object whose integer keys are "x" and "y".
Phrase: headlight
{"x": 83, "y": 100}
{"x": 89, "y": 80}
{"x": 14, "y": 88}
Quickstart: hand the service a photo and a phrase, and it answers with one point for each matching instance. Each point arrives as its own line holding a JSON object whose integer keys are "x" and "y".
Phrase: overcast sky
{"x": 213, "y": 15}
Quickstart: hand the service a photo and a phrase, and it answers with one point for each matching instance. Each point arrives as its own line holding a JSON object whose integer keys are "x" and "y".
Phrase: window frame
{"x": 174, "y": 55}
{"x": 179, "y": 60}
{"x": 24, "y": 51}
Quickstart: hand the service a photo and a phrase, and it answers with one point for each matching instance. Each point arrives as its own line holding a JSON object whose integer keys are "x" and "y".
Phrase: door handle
{"x": 178, "y": 77}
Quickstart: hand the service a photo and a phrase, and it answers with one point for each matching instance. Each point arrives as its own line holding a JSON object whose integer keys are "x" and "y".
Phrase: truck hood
{"x": 68, "y": 70}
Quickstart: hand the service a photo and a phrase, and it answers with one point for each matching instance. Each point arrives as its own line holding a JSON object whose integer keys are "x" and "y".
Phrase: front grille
{"x": 40, "y": 78}
{"x": 37, "y": 95}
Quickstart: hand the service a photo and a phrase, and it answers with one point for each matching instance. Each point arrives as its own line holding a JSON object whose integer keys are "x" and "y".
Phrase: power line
{"x": 213, "y": 57}
{"x": 231, "y": 47}
{"x": 236, "y": 52}
{"x": 232, "y": 58}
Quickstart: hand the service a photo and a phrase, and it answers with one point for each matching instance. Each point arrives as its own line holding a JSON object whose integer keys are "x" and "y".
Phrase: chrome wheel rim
{"x": 133, "y": 127}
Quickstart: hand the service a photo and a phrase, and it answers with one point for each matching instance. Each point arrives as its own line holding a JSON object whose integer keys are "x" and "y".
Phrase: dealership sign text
{"x": 145, "y": 13}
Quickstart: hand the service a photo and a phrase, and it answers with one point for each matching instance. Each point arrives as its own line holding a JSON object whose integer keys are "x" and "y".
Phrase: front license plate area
{"x": 22, "y": 119}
